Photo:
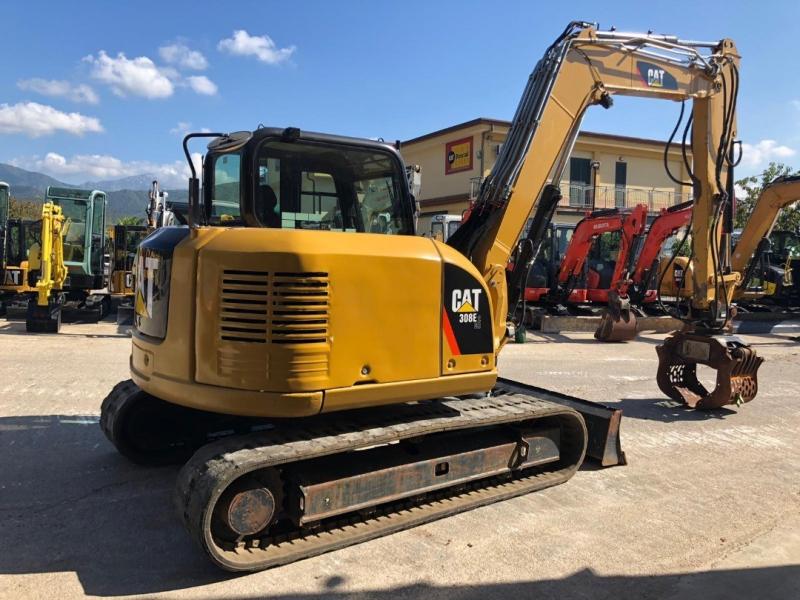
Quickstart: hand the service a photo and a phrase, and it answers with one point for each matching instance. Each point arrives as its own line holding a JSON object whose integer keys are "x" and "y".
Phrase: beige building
{"x": 604, "y": 170}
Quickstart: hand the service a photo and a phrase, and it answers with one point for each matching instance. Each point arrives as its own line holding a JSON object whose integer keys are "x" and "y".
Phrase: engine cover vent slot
{"x": 244, "y": 306}
{"x": 299, "y": 308}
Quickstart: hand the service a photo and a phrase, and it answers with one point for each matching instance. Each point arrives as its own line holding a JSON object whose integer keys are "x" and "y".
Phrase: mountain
{"x": 123, "y": 201}
{"x": 134, "y": 182}
{"x": 27, "y": 184}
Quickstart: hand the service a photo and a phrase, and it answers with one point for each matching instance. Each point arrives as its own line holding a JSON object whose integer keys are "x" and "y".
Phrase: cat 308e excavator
{"x": 380, "y": 402}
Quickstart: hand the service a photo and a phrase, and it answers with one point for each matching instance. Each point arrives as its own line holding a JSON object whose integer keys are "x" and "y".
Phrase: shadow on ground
{"x": 665, "y": 410}
{"x": 769, "y": 583}
{"x": 70, "y": 503}
{"x": 537, "y": 337}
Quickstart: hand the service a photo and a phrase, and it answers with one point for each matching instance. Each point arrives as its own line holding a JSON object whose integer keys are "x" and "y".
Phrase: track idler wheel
{"x": 736, "y": 365}
{"x": 144, "y": 429}
{"x": 618, "y": 322}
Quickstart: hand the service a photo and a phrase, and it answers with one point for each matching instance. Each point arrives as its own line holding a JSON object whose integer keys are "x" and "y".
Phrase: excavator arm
{"x": 584, "y": 67}
{"x": 49, "y": 260}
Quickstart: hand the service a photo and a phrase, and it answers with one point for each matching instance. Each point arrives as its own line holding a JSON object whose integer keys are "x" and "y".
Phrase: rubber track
{"x": 216, "y": 465}
{"x": 112, "y": 404}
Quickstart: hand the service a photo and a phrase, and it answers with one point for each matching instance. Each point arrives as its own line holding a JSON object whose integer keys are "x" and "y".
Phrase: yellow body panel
{"x": 16, "y": 279}
{"x": 291, "y": 322}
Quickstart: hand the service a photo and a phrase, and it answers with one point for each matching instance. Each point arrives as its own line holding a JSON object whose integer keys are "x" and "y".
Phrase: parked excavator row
{"x": 57, "y": 263}
{"x": 254, "y": 347}
{"x": 635, "y": 289}
{"x": 574, "y": 282}
{"x": 575, "y": 272}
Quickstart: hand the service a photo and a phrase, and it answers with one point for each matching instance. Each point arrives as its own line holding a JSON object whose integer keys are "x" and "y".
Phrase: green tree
{"x": 789, "y": 217}
{"x": 130, "y": 220}
{"x": 24, "y": 209}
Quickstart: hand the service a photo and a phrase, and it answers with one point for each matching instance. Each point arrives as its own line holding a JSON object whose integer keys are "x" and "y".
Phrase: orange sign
{"x": 458, "y": 156}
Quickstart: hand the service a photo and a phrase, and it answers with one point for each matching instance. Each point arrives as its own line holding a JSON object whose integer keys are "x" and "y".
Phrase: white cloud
{"x": 82, "y": 167}
{"x": 130, "y": 76}
{"x": 34, "y": 120}
{"x": 184, "y": 127}
{"x": 182, "y": 56}
{"x": 760, "y": 154}
{"x": 202, "y": 85}
{"x": 262, "y": 47}
{"x": 63, "y": 89}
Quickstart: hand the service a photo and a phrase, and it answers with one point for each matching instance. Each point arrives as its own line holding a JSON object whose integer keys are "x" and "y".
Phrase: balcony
{"x": 586, "y": 197}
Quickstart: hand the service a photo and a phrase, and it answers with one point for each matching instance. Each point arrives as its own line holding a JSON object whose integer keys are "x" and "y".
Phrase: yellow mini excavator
{"x": 328, "y": 403}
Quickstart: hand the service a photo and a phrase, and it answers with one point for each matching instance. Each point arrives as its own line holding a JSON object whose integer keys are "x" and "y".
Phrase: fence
{"x": 588, "y": 197}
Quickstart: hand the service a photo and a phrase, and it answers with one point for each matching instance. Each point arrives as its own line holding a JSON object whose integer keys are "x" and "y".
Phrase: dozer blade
{"x": 602, "y": 422}
{"x": 618, "y": 322}
{"x": 736, "y": 365}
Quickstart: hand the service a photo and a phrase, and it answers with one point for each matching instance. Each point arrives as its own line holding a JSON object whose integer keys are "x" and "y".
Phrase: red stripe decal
{"x": 449, "y": 335}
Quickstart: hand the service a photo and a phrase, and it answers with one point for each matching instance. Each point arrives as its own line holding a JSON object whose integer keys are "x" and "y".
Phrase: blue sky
{"x": 140, "y": 73}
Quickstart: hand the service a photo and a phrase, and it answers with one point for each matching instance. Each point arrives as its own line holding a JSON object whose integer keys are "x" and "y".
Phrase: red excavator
{"x": 640, "y": 288}
{"x": 630, "y": 225}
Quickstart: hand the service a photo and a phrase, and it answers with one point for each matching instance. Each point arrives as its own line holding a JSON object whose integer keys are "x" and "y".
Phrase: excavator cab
{"x": 84, "y": 243}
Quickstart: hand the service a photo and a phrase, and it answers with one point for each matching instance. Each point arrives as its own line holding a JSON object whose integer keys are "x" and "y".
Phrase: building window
{"x": 620, "y": 183}
{"x": 580, "y": 181}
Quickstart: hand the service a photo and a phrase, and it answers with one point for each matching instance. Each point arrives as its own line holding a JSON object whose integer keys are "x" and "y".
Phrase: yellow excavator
{"x": 754, "y": 240}
{"x": 47, "y": 258}
{"x": 326, "y": 403}
{"x": 677, "y": 272}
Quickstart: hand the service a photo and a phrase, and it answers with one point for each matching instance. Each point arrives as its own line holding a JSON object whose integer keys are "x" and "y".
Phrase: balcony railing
{"x": 587, "y": 197}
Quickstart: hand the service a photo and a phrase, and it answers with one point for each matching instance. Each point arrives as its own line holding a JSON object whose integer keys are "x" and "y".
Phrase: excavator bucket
{"x": 618, "y": 321}
{"x": 736, "y": 365}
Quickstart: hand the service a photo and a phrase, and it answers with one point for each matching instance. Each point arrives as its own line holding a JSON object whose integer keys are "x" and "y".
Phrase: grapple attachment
{"x": 735, "y": 362}
{"x": 618, "y": 321}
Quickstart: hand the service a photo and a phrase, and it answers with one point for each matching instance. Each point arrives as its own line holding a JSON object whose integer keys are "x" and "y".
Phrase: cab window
{"x": 302, "y": 185}
{"x": 225, "y": 190}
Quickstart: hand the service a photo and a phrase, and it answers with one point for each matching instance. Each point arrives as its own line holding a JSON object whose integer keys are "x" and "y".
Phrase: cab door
{"x": 97, "y": 240}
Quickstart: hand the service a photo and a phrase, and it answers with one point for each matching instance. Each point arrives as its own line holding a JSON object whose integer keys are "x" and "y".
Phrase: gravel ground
{"x": 708, "y": 506}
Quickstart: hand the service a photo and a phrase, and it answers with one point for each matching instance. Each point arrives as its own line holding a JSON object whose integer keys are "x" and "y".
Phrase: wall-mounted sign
{"x": 458, "y": 156}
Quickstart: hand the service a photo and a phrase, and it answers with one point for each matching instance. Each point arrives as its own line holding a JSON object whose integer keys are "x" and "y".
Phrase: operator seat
{"x": 265, "y": 207}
